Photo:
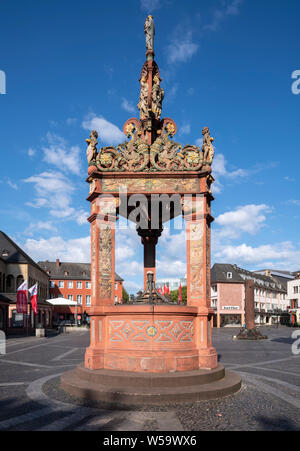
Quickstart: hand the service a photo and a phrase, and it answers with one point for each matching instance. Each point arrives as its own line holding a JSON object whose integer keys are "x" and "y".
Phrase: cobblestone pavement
{"x": 30, "y": 397}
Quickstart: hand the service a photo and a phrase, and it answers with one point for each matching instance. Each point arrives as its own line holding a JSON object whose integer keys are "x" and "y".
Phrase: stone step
{"x": 131, "y": 396}
{"x": 148, "y": 380}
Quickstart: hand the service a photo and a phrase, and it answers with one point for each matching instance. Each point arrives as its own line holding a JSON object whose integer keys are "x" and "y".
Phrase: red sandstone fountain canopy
{"x": 149, "y": 146}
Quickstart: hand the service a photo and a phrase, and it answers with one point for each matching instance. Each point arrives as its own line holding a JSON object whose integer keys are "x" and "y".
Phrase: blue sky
{"x": 226, "y": 64}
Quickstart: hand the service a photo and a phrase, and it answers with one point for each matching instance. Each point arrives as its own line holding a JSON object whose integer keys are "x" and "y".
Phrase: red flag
{"x": 158, "y": 290}
{"x": 164, "y": 292}
{"x": 168, "y": 289}
{"x": 180, "y": 295}
{"x": 22, "y": 298}
{"x": 33, "y": 297}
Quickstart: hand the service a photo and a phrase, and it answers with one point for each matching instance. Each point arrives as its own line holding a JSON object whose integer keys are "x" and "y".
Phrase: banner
{"x": 22, "y": 298}
{"x": 180, "y": 295}
{"x": 33, "y": 297}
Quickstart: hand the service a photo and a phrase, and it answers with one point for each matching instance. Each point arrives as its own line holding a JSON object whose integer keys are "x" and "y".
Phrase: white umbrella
{"x": 61, "y": 301}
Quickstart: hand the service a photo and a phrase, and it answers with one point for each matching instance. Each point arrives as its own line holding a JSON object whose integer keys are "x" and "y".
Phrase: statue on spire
{"x": 149, "y": 32}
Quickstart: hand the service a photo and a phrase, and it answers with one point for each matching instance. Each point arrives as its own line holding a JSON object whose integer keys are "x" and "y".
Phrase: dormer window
{"x": 5, "y": 253}
{"x": 229, "y": 275}
{"x": 66, "y": 273}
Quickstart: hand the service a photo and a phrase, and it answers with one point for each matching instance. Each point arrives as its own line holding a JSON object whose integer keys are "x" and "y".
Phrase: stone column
{"x": 249, "y": 304}
{"x": 149, "y": 240}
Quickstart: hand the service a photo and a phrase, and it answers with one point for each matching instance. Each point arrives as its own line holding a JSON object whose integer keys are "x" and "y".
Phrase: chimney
{"x": 57, "y": 263}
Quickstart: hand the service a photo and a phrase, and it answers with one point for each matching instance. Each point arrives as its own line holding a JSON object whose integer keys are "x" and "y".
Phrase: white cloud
{"x": 151, "y": 5}
{"x": 220, "y": 170}
{"x": 71, "y": 121}
{"x": 61, "y": 155}
{"x": 53, "y": 190}
{"x": 246, "y": 219}
{"x": 13, "y": 185}
{"x": 284, "y": 255}
{"x": 185, "y": 129}
{"x": 31, "y": 152}
{"x": 293, "y": 202}
{"x": 181, "y": 48}
{"x": 108, "y": 132}
{"x": 199, "y": 142}
{"x": 228, "y": 8}
{"x": 127, "y": 106}
{"x": 39, "y": 226}
{"x": 81, "y": 217}
{"x": 73, "y": 250}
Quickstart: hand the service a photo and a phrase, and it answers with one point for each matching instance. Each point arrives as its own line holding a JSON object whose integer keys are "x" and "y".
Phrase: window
{"x": 88, "y": 285}
{"x": 215, "y": 288}
{"x": 295, "y": 290}
{"x": 60, "y": 284}
{"x": 229, "y": 275}
{"x": 70, "y": 297}
{"x": 88, "y": 300}
{"x": 70, "y": 284}
{"x": 17, "y": 319}
{"x": 66, "y": 273}
{"x": 116, "y": 286}
{"x": 79, "y": 285}
{"x": 52, "y": 284}
{"x": 116, "y": 299}
{"x": 79, "y": 299}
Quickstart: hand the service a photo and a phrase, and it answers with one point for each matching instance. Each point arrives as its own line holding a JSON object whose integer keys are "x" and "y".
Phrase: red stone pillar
{"x": 103, "y": 223}
{"x": 198, "y": 219}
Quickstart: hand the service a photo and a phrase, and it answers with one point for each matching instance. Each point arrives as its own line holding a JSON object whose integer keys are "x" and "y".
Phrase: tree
{"x": 125, "y": 296}
{"x": 175, "y": 293}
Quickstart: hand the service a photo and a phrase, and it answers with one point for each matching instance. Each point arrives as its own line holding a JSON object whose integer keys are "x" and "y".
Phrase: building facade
{"x": 172, "y": 283}
{"x": 228, "y": 295}
{"x": 293, "y": 295}
{"x": 72, "y": 281}
{"x": 15, "y": 267}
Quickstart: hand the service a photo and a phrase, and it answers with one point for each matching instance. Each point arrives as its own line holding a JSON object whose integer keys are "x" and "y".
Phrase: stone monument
{"x": 250, "y": 332}
{"x": 151, "y": 351}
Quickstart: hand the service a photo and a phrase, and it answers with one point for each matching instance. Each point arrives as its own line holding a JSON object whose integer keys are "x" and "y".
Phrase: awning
{"x": 61, "y": 301}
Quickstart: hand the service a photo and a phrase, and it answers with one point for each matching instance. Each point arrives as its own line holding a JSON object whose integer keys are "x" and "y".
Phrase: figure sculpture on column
{"x": 158, "y": 95}
{"x": 208, "y": 150}
{"x": 150, "y": 32}
{"x": 143, "y": 103}
{"x": 91, "y": 151}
